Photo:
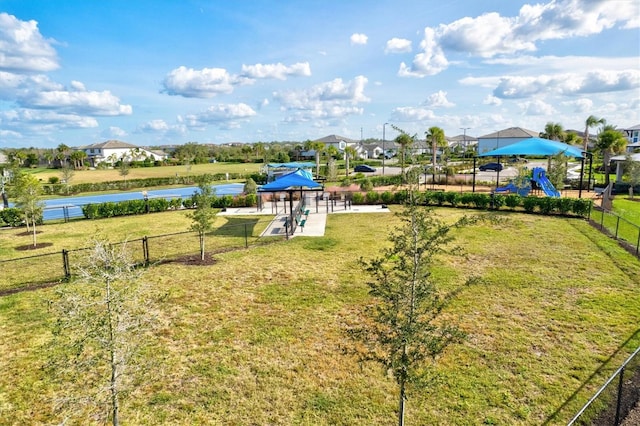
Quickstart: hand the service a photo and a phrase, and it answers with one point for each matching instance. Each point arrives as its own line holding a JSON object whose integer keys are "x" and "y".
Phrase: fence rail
{"x": 613, "y": 402}
{"x": 50, "y": 268}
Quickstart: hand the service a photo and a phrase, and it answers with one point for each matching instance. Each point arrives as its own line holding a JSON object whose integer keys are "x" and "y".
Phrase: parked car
{"x": 364, "y": 168}
{"x": 494, "y": 167}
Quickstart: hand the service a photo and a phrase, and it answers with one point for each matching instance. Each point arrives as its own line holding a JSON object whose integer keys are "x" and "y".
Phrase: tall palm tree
{"x": 349, "y": 153}
{"x": 591, "y": 121}
{"x": 610, "y": 141}
{"x": 553, "y": 131}
{"x": 435, "y": 135}
{"x": 405, "y": 141}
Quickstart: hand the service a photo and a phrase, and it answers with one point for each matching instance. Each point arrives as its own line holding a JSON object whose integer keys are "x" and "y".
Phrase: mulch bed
{"x": 195, "y": 260}
{"x": 27, "y": 233}
{"x": 32, "y": 247}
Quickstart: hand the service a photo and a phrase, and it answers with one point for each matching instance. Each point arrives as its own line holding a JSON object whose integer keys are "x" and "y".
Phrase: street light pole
{"x": 384, "y": 151}
{"x": 464, "y": 138}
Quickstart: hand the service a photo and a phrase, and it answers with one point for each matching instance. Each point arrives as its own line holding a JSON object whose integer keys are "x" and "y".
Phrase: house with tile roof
{"x": 112, "y": 151}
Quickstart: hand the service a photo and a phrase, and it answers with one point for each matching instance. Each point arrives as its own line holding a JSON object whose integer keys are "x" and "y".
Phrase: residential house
{"x": 633, "y": 138}
{"x": 114, "y": 150}
{"x": 340, "y": 143}
{"x": 504, "y": 137}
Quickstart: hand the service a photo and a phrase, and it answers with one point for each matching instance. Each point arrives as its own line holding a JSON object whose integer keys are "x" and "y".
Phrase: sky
{"x": 157, "y": 72}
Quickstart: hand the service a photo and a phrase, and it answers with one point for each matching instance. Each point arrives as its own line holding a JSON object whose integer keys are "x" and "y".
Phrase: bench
{"x": 306, "y": 213}
{"x": 301, "y": 223}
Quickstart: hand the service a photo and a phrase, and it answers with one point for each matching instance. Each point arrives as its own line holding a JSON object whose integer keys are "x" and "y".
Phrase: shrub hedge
{"x": 543, "y": 205}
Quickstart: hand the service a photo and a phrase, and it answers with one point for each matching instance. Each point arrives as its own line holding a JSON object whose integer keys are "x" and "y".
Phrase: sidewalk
{"x": 315, "y": 223}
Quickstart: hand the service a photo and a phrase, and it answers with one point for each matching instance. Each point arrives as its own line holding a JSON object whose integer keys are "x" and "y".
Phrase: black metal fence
{"x": 618, "y": 227}
{"x": 613, "y": 402}
{"x": 50, "y": 268}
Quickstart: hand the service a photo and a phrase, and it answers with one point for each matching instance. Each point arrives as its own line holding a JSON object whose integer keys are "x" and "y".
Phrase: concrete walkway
{"x": 315, "y": 223}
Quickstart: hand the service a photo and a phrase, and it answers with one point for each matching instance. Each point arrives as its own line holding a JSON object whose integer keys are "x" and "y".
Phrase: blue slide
{"x": 543, "y": 182}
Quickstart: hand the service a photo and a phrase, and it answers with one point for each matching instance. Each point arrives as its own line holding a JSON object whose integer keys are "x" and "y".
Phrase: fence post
{"x": 602, "y": 220}
{"x": 619, "y": 402}
{"x": 246, "y": 238}
{"x": 145, "y": 250}
{"x": 638, "y": 243}
{"x": 617, "y": 226}
{"x": 65, "y": 264}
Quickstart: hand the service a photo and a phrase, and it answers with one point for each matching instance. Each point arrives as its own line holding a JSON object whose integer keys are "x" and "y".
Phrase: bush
{"x": 512, "y": 201}
{"x": 53, "y": 179}
{"x": 387, "y": 197}
{"x": 498, "y": 201}
{"x": 529, "y": 204}
{"x": 366, "y": 184}
{"x": 452, "y": 198}
{"x": 372, "y": 197}
{"x": 357, "y": 198}
{"x": 481, "y": 201}
{"x": 11, "y": 216}
{"x": 581, "y": 207}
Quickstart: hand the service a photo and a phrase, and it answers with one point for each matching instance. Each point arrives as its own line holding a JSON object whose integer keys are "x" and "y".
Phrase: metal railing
{"x": 619, "y": 227}
{"x": 613, "y": 402}
{"x": 50, "y": 268}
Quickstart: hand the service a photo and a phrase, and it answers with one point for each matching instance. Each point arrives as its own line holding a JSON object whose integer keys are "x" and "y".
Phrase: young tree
{"x": 100, "y": 321}
{"x": 203, "y": 215}
{"x": 67, "y": 173}
{"x": 557, "y": 170}
{"x": 124, "y": 170}
{"x": 28, "y": 191}
{"x": 404, "y": 329}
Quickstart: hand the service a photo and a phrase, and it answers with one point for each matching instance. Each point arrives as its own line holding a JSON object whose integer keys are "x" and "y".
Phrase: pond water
{"x": 55, "y": 208}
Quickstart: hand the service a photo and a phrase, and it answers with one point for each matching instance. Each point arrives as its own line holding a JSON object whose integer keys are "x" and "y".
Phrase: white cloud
{"x": 595, "y": 81}
{"x": 204, "y": 83}
{"x": 398, "y": 45}
{"x": 438, "y": 99}
{"x": 78, "y": 102}
{"x": 278, "y": 71}
{"x": 358, "y": 39}
{"x": 219, "y": 114}
{"x": 537, "y": 107}
{"x": 22, "y": 47}
{"x": 161, "y": 127}
{"x": 580, "y": 105}
{"x": 326, "y": 100}
{"x": 492, "y": 100}
{"x": 430, "y": 62}
{"x": 490, "y": 34}
{"x": 41, "y": 121}
{"x": 116, "y": 132}
{"x": 403, "y": 114}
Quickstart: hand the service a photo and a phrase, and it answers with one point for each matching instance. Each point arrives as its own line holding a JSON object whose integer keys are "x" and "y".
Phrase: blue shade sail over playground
{"x": 535, "y": 147}
{"x": 300, "y": 179}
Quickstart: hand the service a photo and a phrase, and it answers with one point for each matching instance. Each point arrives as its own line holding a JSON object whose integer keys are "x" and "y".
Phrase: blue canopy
{"x": 535, "y": 147}
{"x": 298, "y": 179}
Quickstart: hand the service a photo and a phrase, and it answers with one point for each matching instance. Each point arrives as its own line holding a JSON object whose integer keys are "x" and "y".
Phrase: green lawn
{"x": 256, "y": 337}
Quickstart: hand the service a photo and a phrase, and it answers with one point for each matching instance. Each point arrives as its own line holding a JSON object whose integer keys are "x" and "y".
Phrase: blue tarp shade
{"x": 299, "y": 179}
{"x": 535, "y": 147}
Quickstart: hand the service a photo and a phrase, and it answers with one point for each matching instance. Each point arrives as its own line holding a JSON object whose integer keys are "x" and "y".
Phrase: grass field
{"x": 85, "y": 176}
{"x": 255, "y": 338}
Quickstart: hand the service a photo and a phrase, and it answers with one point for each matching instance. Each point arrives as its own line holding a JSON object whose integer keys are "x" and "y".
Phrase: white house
{"x": 633, "y": 137}
{"x": 112, "y": 151}
{"x": 504, "y": 137}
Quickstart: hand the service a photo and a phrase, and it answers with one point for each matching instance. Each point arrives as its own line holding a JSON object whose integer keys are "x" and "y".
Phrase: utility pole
{"x": 384, "y": 151}
{"x": 464, "y": 138}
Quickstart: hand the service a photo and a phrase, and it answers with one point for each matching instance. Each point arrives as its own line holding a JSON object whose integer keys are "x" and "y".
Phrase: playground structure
{"x": 539, "y": 177}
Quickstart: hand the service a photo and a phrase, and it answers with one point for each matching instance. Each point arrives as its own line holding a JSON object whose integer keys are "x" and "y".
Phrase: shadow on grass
{"x": 236, "y": 227}
{"x": 596, "y": 373}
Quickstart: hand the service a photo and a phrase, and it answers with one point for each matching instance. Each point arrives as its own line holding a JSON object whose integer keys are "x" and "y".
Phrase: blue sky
{"x": 154, "y": 72}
